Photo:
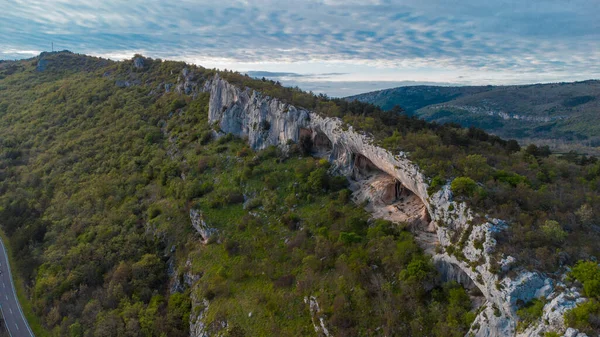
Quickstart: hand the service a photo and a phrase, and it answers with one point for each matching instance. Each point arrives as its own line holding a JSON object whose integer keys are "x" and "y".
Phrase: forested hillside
{"x": 563, "y": 115}
{"x": 97, "y": 182}
{"x": 102, "y": 163}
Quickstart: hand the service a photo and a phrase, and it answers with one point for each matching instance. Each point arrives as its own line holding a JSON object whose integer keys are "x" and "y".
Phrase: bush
{"x": 436, "y": 183}
{"x": 317, "y": 180}
{"x": 349, "y": 237}
{"x": 553, "y": 231}
{"x": 588, "y": 273}
{"x": 531, "y": 312}
{"x": 153, "y": 212}
{"x": 196, "y": 189}
{"x": 585, "y": 317}
{"x": 206, "y": 137}
{"x": 552, "y": 334}
{"x": 153, "y": 136}
{"x": 512, "y": 179}
{"x": 417, "y": 270}
{"x": 464, "y": 186}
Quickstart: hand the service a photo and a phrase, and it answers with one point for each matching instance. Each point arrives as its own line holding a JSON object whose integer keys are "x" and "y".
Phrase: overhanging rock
{"x": 266, "y": 121}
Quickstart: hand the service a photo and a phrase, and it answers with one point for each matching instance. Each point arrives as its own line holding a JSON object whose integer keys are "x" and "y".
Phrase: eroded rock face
{"x": 200, "y": 225}
{"x": 317, "y": 317}
{"x": 553, "y": 315}
{"x": 397, "y": 191}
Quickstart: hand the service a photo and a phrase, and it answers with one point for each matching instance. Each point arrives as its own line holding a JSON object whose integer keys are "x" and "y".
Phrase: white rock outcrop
{"x": 266, "y": 121}
{"x": 201, "y": 226}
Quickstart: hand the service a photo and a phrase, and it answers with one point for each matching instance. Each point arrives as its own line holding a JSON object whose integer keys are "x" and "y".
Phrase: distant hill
{"x": 562, "y": 115}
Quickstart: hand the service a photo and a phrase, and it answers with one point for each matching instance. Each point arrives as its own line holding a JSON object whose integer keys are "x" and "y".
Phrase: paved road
{"x": 11, "y": 309}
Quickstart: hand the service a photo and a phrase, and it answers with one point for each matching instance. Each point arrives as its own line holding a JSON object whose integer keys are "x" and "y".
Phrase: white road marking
{"x": 9, "y": 309}
{"x": 17, "y": 326}
{"x": 6, "y": 297}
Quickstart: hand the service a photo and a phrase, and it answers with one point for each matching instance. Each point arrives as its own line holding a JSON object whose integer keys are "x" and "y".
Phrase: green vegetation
{"x": 588, "y": 273}
{"x": 530, "y": 313}
{"x": 463, "y": 186}
{"x": 99, "y": 168}
{"x": 97, "y": 178}
{"x": 585, "y": 317}
{"x": 563, "y": 115}
{"x": 552, "y": 334}
{"x": 526, "y": 187}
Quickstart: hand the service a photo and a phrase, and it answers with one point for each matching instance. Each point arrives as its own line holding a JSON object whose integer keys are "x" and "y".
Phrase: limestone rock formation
{"x": 396, "y": 190}
{"x": 316, "y": 316}
{"x": 200, "y": 225}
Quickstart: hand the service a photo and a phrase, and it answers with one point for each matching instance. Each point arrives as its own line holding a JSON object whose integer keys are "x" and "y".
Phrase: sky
{"x": 338, "y": 47}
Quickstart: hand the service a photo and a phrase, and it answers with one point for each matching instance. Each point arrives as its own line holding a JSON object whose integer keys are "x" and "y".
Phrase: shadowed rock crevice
{"x": 315, "y": 143}
{"x": 321, "y": 144}
{"x": 450, "y": 272}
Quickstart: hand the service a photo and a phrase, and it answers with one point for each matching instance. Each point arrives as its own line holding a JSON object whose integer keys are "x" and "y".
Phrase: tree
{"x": 476, "y": 167}
{"x": 463, "y": 186}
{"x": 553, "y": 231}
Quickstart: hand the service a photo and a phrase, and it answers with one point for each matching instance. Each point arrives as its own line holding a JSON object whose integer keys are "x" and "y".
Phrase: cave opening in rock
{"x": 389, "y": 199}
{"x": 385, "y": 196}
{"x": 321, "y": 144}
{"x": 314, "y": 143}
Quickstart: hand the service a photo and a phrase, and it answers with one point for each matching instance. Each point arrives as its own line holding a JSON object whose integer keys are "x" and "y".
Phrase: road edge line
{"x": 14, "y": 290}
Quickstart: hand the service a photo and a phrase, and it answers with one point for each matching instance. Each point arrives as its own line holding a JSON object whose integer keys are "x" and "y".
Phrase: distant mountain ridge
{"x": 563, "y": 115}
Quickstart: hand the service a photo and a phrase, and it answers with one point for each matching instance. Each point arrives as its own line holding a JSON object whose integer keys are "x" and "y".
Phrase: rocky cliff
{"x": 395, "y": 189}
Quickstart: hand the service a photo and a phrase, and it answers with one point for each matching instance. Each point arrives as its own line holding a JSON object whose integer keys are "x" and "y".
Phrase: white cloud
{"x": 501, "y": 39}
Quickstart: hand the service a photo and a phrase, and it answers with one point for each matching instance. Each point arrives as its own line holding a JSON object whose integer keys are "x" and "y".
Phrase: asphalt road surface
{"x": 11, "y": 309}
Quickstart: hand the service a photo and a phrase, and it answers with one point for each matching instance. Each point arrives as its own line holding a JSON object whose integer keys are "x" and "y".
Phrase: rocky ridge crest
{"x": 267, "y": 121}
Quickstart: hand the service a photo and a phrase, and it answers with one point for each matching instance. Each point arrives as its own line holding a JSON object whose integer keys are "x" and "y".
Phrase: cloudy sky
{"x": 339, "y": 47}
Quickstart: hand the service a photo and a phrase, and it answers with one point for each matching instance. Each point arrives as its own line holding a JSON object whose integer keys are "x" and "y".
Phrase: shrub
{"x": 232, "y": 247}
{"x": 153, "y": 136}
{"x": 476, "y": 167}
{"x": 588, "y": 273}
{"x": 464, "y": 186}
{"x": 317, "y": 180}
{"x": 531, "y": 312}
{"x": 512, "y": 179}
{"x": 585, "y": 317}
{"x": 196, "y": 189}
{"x": 290, "y": 220}
{"x": 153, "y": 212}
{"x": 337, "y": 183}
{"x": 552, "y": 334}
{"x": 436, "y": 183}
{"x": 344, "y": 196}
{"x": 269, "y": 152}
{"x": 206, "y": 137}
{"x": 553, "y": 231}
{"x": 349, "y": 237}
{"x": 285, "y": 281}
{"x": 177, "y": 103}
{"x": 417, "y": 270}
